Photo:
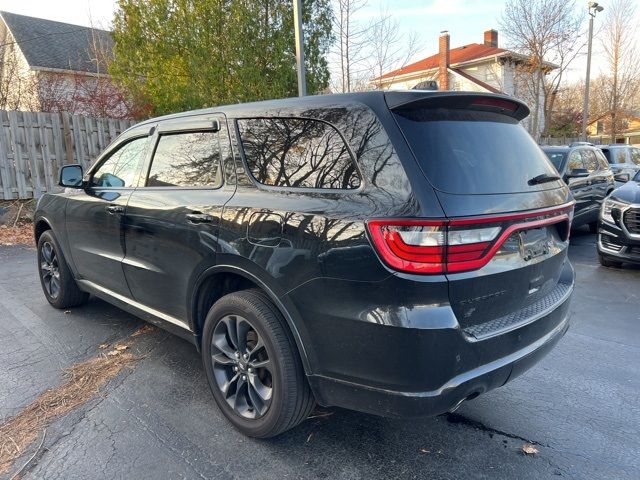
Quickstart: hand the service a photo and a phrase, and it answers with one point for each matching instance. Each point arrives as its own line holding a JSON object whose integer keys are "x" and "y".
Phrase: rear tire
{"x": 58, "y": 284}
{"x": 605, "y": 262}
{"x": 253, "y": 366}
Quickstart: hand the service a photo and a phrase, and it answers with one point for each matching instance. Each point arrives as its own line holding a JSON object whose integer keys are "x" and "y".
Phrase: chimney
{"x": 491, "y": 38}
{"x": 443, "y": 61}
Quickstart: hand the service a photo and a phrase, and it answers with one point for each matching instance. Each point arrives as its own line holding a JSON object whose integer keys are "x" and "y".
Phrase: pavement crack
{"x": 453, "y": 417}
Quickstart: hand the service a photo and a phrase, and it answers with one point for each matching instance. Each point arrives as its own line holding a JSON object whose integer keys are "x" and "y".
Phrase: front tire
{"x": 605, "y": 262}
{"x": 58, "y": 284}
{"x": 253, "y": 366}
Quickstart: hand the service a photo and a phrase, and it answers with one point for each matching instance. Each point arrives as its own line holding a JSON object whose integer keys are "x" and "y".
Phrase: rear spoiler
{"x": 412, "y": 100}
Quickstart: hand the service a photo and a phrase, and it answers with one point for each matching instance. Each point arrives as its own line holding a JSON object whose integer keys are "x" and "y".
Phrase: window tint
{"x": 575, "y": 161}
{"x": 602, "y": 160}
{"x": 589, "y": 159}
{"x": 556, "y": 158}
{"x": 186, "y": 160}
{"x": 620, "y": 154}
{"x": 289, "y": 152}
{"x": 470, "y": 152}
{"x": 122, "y": 168}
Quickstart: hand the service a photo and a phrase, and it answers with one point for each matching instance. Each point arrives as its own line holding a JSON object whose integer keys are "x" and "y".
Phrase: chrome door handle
{"x": 112, "y": 209}
{"x": 199, "y": 218}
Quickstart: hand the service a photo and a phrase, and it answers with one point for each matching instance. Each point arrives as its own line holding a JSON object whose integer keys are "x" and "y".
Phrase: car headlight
{"x": 607, "y": 206}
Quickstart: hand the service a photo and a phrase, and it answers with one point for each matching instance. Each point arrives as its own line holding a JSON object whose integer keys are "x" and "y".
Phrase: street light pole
{"x": 593, "y": 9}
{"x": 297, "y": 20}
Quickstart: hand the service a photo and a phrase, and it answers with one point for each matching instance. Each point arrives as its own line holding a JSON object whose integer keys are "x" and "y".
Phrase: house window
{"x": 599, "y": 127}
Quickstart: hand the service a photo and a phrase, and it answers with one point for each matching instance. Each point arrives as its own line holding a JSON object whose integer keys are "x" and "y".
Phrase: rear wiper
{"x": 543, "y": 178}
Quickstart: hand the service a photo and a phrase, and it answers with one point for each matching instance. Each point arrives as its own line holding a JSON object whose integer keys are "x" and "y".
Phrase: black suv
{"x": 619, "y": 232}
{"x": 393, "y": 253}
{"x": 590, "y": 179}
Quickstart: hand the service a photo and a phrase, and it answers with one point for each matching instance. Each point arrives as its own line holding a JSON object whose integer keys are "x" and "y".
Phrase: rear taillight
{"x": 456, "y": 245}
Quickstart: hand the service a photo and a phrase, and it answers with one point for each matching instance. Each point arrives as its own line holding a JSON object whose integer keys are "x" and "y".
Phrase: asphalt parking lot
{"x": 580, "y": 406}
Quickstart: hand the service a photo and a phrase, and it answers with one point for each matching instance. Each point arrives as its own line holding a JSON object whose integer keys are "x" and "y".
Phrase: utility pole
{"x": 297, "y": 20}
{"x": 593, "y": 9}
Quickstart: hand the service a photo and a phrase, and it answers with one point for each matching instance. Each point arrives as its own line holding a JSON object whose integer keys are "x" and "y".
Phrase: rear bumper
{"x": 400, "y": 371}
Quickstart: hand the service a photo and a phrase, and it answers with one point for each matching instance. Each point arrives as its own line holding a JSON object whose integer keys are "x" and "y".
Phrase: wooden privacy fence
{"x": 34, "y": 145}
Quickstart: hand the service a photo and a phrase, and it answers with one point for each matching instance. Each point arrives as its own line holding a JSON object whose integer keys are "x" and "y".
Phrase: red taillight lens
{"x": 458, "y": 245}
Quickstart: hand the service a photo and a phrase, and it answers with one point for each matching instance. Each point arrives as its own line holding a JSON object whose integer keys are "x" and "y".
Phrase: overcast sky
{"x": 466, "y": 20}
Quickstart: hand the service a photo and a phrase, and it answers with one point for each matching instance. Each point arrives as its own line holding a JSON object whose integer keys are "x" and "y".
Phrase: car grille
{"x": 522, "y": 317}
{"x": 609, "y": 243}
{"x": 632, "y": 220}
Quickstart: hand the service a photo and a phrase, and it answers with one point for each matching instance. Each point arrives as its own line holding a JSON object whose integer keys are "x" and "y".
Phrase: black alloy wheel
{"x": 58, "y": 284}
{"x": 242, "y": 367}
{"x": 50, "y": 270}
{"x": 253, "y": 366}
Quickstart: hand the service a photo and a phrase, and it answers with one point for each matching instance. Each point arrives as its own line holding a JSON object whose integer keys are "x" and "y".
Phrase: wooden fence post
{"x": 66, "y": 133}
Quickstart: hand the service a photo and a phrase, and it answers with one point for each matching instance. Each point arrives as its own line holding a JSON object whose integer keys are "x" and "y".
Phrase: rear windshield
{"x": 557, "y": 158}
{"x": 469, "y": 152}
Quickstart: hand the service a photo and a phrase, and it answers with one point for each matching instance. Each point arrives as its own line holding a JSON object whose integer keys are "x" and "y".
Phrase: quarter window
{"x": 122, "y": 168}
{"x": 186, "y": 160}
{"x": 288, "y": 152}
{"x": 635, "y": 155}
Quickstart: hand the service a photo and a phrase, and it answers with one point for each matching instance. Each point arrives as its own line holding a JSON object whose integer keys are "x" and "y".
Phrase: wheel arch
{"x": 40, "y": 226}
{"x": 220, "y": 280}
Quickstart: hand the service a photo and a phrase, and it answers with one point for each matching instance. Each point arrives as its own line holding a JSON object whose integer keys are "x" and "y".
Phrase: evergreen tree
{"x": 174, "y": 55}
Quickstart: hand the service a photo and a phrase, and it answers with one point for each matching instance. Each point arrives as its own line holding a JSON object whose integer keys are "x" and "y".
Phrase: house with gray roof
{"x": 55, "y": 66}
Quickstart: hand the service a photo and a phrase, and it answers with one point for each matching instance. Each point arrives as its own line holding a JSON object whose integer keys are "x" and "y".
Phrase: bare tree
{"x": 351, "y": 39}
{"x": 621, "y": 49}
{"x": 390, "y": 47}
{"x": 543, "y": 31}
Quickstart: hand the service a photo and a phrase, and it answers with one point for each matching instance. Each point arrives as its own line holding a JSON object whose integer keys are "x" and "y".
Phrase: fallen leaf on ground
{"x": 529, "y": 449}
{"x": 121, "y": 348}
{"x": 143, "y": 329}
{"x": 103, "y": 346}
{"x": 424, "y": 450}
{"x": 21, "y": 234}
{"x": 67, "y": 311}
{"x": 309, "y": 437}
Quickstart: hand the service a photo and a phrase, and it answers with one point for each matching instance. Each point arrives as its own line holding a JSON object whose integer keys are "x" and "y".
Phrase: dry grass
{"x": 83, "y": 382}
{"x": 21, "y": 234}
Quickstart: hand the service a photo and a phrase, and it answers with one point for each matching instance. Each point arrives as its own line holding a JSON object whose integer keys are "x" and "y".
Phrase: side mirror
{"x": 71, "y": 176}
{"x": 622, "y": 177}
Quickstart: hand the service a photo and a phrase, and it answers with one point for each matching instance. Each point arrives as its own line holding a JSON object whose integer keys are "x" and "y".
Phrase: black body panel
{"x": 370, "y": 337}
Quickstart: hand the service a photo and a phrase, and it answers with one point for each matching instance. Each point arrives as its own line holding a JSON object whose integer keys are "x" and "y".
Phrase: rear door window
{"x": 186, "y": 159}
{"x": 296, "y": 152}
{"x": 589, "y": 160}
{"x": 471, "y": 152}
{"x": 575, "y": 162}
{"x": 635, "y": 155}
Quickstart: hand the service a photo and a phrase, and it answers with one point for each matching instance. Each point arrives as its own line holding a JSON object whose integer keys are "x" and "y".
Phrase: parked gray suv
{"x": 624, "y": 160}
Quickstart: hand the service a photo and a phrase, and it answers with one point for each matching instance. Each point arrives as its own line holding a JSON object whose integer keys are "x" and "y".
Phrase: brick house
{"x": 54, "y": 66}
{"x": 476, "y": 67}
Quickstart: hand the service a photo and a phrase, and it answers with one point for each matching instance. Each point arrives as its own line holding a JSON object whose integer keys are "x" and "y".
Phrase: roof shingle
{"x": 57, "y": 45}
{"x": 466, "y": 53}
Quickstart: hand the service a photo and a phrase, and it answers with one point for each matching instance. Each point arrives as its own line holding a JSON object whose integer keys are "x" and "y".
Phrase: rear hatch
{"x": 504, "y": 242}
